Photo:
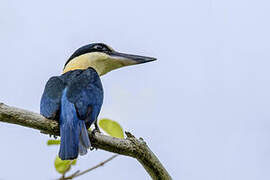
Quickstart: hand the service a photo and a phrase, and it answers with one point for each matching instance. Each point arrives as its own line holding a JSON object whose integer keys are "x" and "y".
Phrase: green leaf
{"x": 111, "y": 127}
{"x": 62, "y": 166}
{"x": 74, "y": 162}
{"x": 53, "y": 142}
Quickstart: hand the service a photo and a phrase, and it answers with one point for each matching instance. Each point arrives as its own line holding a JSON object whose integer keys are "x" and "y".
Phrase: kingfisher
{"x": 74, "y": 98}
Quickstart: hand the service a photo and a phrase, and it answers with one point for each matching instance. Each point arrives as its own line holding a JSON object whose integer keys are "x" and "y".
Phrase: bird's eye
{"x": 98, "y": 47}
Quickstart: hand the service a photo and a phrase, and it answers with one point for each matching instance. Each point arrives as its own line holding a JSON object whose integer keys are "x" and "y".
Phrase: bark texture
{"x": 131, "y": 146}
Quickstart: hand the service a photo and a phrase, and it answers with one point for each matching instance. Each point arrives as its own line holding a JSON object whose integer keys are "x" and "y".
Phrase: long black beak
{"x": 137, "y": 59}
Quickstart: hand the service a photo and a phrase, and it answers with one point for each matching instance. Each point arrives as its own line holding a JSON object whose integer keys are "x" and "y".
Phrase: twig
{"x": 96, "y": 166}
{"x": 68, "y": 177}
{"x": 130, "y": 146}
{"x": 77, "y": 173}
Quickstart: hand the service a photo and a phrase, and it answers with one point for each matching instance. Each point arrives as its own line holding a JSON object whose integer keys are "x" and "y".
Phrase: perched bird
{"x": 75, "y": 97}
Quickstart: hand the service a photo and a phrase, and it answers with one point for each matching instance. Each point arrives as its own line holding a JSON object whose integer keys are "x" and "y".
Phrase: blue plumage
{"x": 75, "y": 98}
{"x": 51, "y": 98}
{"x": 72, "y": 130}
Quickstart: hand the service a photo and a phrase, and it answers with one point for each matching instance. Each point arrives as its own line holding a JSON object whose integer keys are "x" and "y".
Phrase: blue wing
{"x": 51, "y": 98}
{"x": 80, "y": 105}
{"x": 86, "y": 93}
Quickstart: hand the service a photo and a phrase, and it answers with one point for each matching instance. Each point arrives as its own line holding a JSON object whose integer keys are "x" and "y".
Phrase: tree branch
{"x": 130, "y": 146}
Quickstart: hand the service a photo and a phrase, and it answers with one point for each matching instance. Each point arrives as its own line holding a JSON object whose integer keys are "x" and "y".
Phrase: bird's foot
{"x": 96, "y": 128}
{"x": 95, "y": 131}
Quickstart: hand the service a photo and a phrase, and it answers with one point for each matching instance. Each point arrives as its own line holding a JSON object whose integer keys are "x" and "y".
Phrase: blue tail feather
{"x": 74, "y": 136}
{"x": 84, "y": 142}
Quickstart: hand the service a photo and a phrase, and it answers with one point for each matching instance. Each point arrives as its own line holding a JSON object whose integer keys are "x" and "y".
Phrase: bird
{"x": 75, "y": 97}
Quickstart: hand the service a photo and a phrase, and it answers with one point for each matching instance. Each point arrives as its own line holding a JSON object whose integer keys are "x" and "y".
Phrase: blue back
{"x": 74, "y": 98}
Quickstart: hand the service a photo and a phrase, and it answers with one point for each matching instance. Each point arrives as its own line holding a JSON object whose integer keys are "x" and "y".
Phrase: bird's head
{"x": 102, "y": 58}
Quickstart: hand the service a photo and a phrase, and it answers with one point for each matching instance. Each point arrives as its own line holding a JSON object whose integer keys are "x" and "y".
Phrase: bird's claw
{"x": 96, "y": 128}
{"x": 96, "y": 131}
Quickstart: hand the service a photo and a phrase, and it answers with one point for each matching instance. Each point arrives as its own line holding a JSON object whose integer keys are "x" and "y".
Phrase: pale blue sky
{"x": 203, "y": 107}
